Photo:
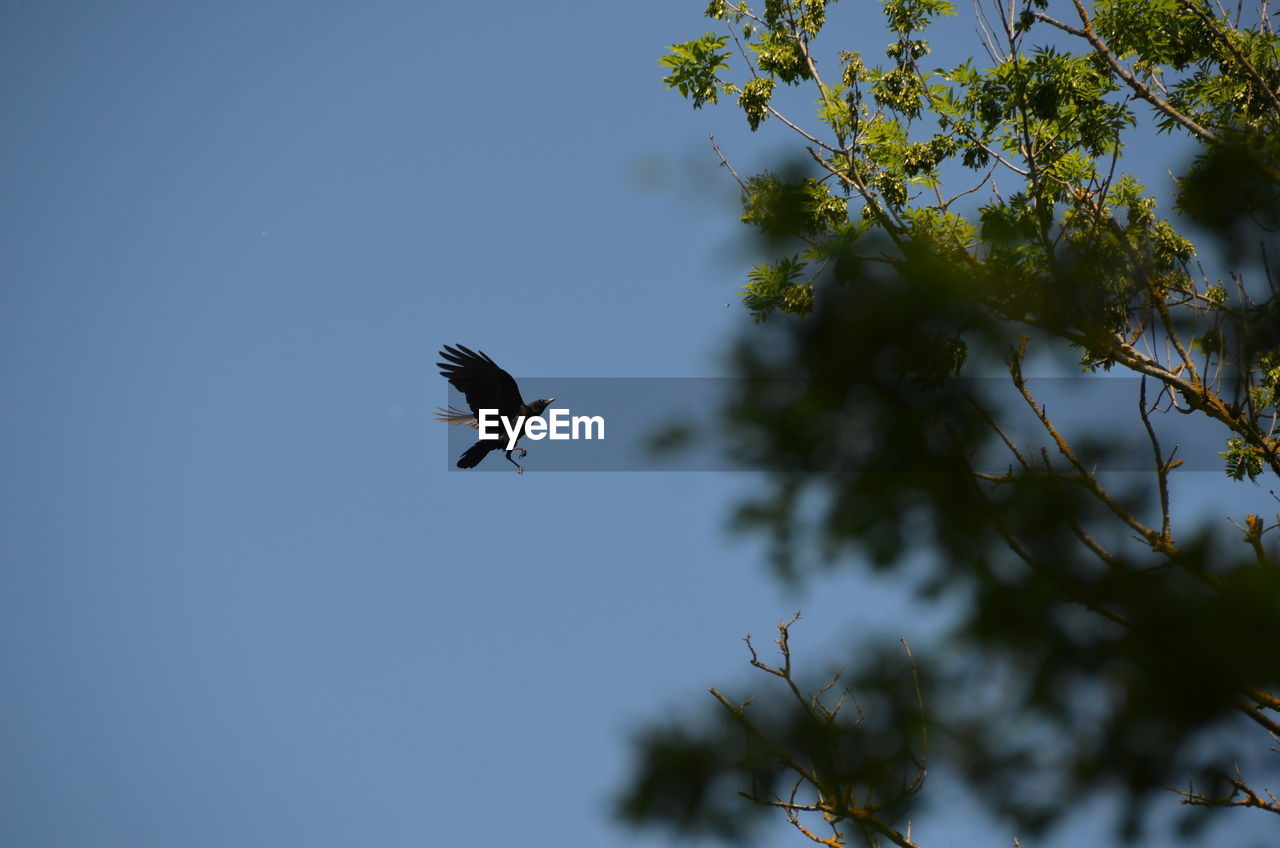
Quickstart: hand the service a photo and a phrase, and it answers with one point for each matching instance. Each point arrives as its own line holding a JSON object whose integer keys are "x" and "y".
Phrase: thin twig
{"x": 725, "y": 163}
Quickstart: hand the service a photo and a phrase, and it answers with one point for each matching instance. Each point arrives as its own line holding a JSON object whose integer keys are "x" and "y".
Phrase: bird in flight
{"x": 485, "y": 386}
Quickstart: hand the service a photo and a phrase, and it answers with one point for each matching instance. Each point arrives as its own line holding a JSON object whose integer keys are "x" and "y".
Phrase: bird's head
{"x": 537, "y": 406}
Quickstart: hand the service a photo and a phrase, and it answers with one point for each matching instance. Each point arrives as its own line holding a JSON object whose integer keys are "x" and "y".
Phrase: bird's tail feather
{"x": 457, "y": 416}
{"x": 472, "y": 456}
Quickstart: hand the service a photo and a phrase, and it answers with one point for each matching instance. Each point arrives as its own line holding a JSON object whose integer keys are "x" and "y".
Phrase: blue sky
{"x": 245, "y": 602}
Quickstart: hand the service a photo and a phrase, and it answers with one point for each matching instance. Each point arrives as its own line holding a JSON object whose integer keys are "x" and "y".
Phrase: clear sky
{"x": 244, "y": 601}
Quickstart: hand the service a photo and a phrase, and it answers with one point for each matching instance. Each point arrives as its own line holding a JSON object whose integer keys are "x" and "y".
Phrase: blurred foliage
{"x": 1101, "y": 645}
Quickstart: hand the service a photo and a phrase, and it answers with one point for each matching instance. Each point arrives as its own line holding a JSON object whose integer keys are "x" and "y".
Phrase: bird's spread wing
{"x": 481, "y": 381}
{"x": 450, "y": 415}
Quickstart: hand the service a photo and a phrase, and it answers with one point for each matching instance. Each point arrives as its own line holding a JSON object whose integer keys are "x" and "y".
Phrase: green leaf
{"x": 694, "y": 66}
{"x": 754, "y": 100}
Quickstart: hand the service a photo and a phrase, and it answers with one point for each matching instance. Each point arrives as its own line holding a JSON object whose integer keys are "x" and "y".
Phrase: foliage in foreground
{"x": 951, "y": 221}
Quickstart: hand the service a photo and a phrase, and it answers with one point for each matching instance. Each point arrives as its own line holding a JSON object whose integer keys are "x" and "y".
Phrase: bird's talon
{"x": 519, "y": 469}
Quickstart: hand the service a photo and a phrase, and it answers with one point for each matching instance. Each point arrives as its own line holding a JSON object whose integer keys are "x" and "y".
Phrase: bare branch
{"x": 1162, "y": 468}
{"x": 1241, "y": 795}
{"x": 725, "y": 163}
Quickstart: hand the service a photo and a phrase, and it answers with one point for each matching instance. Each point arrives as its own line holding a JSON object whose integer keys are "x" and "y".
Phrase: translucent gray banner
{"x": 683, "y": 424}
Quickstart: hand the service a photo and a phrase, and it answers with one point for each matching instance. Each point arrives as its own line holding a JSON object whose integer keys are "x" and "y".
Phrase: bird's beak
{"x": 551, "y": 400}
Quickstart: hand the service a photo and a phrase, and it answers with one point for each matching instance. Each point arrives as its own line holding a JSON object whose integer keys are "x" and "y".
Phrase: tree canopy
{"x": 940, "y": 225}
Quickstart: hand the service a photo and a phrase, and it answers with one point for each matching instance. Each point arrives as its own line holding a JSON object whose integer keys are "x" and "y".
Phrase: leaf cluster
{"x": 953, "y": 218}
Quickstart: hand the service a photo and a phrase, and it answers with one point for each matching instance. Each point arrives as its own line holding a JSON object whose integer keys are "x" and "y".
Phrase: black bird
{"x": 486, "y": 386}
